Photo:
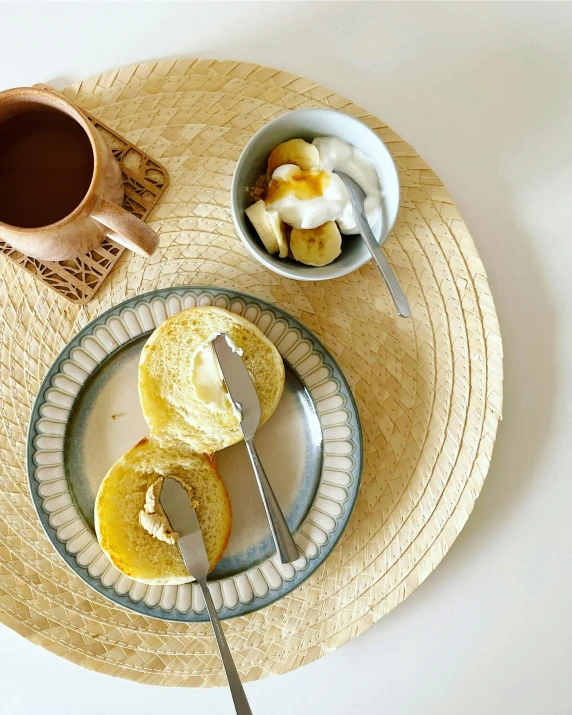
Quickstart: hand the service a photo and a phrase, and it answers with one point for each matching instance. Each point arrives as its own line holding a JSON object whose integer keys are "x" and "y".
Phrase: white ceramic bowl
{"x": 309, "y": 124}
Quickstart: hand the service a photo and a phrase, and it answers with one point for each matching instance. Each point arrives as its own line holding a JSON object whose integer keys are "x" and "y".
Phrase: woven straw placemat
{"x": 429, "y": 390}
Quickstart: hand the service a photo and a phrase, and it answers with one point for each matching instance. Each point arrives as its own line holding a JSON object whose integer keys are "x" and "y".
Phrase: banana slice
{"x": 278, "y": 228}
{"x": 295, "y": 151}
{"x": 269, "y": 227}
{"x": 316, "y": 246}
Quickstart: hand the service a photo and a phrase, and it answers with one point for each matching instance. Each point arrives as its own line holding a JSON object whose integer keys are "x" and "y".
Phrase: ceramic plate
{"x": 87, "y": 415}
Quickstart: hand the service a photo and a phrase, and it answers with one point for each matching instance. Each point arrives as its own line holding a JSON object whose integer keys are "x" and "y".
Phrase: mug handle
{"x": 128, "y": 230}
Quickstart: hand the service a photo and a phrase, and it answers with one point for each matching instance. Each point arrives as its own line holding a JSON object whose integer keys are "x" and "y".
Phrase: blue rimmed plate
{"x": 87, "y": 414}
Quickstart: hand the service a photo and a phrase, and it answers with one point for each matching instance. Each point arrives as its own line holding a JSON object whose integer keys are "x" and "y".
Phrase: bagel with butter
{"x": 182, "y": 394}
{"x": 131, "y": 526}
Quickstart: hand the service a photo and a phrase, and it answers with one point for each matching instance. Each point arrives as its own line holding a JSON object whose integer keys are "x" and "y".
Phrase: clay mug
{"x": 29, "y": 133}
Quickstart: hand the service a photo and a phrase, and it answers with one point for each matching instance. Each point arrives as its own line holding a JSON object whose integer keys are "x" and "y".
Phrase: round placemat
{"x": 429, "y": 389}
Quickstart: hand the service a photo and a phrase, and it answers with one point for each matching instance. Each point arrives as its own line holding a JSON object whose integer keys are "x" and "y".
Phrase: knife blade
{"x": 183, "y": 519}
{"x": 239, "y": 385}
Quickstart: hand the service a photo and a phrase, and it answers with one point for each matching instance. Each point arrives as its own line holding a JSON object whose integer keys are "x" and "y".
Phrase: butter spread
{"x": 207, "y": 379}
{"x": 153, "y": 518}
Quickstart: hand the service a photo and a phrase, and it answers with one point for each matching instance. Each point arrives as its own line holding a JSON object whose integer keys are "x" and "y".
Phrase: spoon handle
{"x": 357, "y": 198}
{"x": 382, "y": 263}
{"x": 238, "y": 695}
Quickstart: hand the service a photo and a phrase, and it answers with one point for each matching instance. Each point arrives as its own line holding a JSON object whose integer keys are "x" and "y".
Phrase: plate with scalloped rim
{"x": 87, "y": 414}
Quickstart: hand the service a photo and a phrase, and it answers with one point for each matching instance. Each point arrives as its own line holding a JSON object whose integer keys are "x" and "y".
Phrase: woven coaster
{"x": 78, "y": 279}
{"x": 429, "y": 389}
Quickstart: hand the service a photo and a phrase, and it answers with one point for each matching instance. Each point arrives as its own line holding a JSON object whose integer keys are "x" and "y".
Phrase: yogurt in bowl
{"x": 331, "y": 201}
{"x": 337, "y": 155}
{"x": 338, "y": 142}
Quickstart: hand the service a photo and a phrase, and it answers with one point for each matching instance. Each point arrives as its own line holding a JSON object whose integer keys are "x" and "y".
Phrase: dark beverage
{"x": 46, "y": 167}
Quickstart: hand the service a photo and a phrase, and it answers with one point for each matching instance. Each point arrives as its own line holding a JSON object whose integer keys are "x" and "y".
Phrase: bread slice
{"x": 168, "y": 399}
{"x": 121, "y": 497}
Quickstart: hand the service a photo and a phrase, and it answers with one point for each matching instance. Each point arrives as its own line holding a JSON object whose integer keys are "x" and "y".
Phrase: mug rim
{"x": 32, "y": 94}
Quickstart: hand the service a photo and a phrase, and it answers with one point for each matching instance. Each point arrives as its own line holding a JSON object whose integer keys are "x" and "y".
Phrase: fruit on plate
{"x": 295, "y": 151}
{"x": 316, "y": 246}
{"x": 268, "y": 226}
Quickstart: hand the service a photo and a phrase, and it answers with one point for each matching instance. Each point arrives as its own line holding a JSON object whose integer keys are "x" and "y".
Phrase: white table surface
{"x": 483, "y": 92}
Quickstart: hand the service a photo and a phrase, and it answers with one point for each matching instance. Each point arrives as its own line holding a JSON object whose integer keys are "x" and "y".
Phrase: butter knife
{"x": 183, "y": 519}
{"x": 243, "y": 395}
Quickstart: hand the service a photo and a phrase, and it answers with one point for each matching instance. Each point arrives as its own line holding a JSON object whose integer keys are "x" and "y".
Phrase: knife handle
{"x": 237, "y": 691}
{"x": 285, "y": 546}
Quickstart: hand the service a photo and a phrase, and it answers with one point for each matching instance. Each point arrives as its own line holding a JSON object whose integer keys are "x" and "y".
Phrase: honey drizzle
{"x": 304, "y": 185}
